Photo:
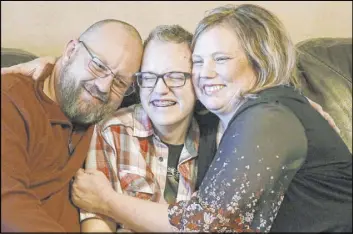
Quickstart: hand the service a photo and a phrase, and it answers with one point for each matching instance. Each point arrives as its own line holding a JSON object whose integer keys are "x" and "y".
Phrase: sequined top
{"x": 266, "y": 158}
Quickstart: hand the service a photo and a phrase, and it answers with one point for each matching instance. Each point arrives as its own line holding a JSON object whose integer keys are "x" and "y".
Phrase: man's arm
{"x": 20, "y": 207}
{"x": 36, "y": 68}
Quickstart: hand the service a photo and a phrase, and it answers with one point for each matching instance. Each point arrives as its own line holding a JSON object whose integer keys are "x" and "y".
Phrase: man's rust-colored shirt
{"x": 36, "y": 163}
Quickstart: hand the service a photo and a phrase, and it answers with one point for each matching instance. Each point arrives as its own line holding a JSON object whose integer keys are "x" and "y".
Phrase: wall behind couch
{"x": 44, "y": 28}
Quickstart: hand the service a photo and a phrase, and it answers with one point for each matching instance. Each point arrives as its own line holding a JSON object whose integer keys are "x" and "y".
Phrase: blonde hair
{"x": 263, "y": 38}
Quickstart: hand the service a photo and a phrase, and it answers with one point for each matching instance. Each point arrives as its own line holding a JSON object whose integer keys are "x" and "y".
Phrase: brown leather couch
{"x": 325, "y": 70}
{"x": 324, "y": 67}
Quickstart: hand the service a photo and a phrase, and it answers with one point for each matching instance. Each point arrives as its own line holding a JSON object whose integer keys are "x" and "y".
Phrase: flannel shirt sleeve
{"x": 97, "y": 159}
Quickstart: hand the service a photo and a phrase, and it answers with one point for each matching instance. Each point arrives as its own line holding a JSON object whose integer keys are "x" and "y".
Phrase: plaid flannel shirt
{"x": 126, "y": 149}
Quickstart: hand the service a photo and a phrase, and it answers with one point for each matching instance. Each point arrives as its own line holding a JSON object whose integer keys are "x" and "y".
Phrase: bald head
{"x": 116, "y": 43}
{"x": 97, "y": 70}
{"x": 94, "y": 28}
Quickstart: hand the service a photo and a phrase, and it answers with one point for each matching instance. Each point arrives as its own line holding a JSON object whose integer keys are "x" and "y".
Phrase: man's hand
{"x": 324, "y": 114}
{"x": 91, "y": 191}
{"x": 36, "y": 68}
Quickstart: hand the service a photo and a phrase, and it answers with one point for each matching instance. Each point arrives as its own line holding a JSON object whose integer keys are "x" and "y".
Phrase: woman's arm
{"x": 259, "y": 154}
{"x": 98, "y": 225}
{"x": 139, "y": 215}
{"x": 93, "y": 192}
{"x": 242, "y": 190}
{"x": 324, "y": 114}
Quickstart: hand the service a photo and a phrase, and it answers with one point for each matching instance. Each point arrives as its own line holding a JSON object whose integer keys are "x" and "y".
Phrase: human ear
{"x": 69, "y": 51}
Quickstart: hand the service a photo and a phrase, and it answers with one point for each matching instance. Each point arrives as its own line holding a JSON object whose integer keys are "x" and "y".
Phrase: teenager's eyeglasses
{"x": 171, "y": 79}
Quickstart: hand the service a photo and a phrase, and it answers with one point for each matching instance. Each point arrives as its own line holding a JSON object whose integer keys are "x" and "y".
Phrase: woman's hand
{"x": 36, "y": 68}
{"x": 91, "y": 191}
{"x": 324, "y": 114}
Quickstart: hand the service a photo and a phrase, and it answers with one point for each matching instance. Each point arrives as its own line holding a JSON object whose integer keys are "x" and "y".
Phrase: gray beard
{"x": 79, "y": 111}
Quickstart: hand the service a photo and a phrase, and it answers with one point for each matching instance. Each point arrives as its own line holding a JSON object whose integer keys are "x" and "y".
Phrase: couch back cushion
{"x": 12, "y": 56}
{"x": 325, "y": 70}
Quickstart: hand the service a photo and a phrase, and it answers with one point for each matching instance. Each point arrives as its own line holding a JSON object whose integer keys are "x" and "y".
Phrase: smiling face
{"x": 167, "y": 106}
{"x": 220, "y": 69}
{"x": 86, "y": 98}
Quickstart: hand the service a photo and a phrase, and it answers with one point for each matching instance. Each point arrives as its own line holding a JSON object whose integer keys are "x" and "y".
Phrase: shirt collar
{"x": 142, "y": 124}
{"x": 138, "y": 124}
{"x": 192, "y": 138}
{"x": 134, "y": 118}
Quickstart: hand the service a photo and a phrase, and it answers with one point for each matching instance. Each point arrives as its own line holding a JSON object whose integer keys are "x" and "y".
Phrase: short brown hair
{"x": 169, "y": 33}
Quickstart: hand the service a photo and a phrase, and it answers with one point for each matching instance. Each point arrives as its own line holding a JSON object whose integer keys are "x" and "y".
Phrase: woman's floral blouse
{"x": 259, "y": 154}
